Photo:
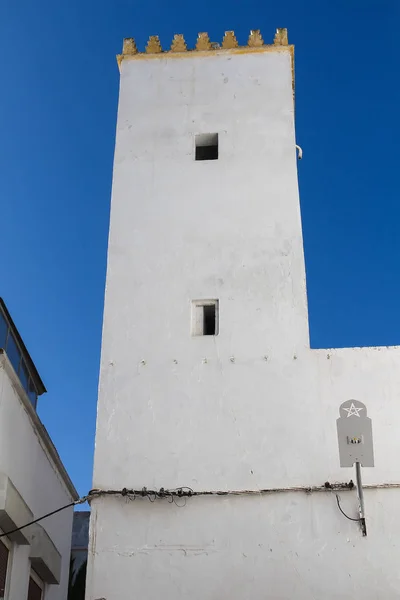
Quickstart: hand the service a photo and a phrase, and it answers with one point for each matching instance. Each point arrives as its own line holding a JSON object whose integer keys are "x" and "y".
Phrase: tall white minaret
{"x": 205, "y": 312}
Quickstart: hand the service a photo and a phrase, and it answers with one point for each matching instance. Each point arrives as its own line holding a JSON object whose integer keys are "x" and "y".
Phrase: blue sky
{"x": 57, "y": 122}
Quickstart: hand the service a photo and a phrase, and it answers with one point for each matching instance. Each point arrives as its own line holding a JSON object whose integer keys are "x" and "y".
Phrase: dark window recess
{"x": 3, "y": 568}
{"x": 3, "y": 333}
{"x": 205, "y": 318}
{"x": 209, "y": 319}
{"x": 23, "y": 374}
{"x": 207, "y": 146}
{"x": 34, "y": 590}
{"x": 13, "y": 352}
{"x": 32, "y": 393}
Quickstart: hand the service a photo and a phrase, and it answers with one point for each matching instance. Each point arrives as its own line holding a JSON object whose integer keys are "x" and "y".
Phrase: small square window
{"x": 205, "y": 317}
{"x": 206, "y": 146}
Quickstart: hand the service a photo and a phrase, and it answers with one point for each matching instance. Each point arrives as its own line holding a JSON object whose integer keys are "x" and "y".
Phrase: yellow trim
{"x": 204, "y": 46}
{"x": 203, "y": 41}
{"x": 212, "y": 52}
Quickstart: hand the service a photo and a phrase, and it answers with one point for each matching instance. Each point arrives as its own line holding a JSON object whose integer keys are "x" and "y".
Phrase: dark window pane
{"x": 3, "y": 568}
{"x": 206, "y": 146}
{"x": 32, "y": 393}
{"x": 209, "y": 320}
{"x": 3, "y": 331}
{"x": 13, "y": 352}
{"x": 34, "y": 591}
{"x": 207, "y": 153}
{"x": 23, "y": 375}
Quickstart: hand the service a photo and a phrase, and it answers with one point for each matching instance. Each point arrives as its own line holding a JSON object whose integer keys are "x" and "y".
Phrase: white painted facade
{"x": 33, "y": 482}
{"x": 253, "y": 407}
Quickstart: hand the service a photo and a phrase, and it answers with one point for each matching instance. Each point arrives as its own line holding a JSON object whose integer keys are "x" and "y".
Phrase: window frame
{"x": 197, "y": 320}
{"x": 9, "y": 545}
{"x": 39, "y": 582}
{"x": 206, "y": 140}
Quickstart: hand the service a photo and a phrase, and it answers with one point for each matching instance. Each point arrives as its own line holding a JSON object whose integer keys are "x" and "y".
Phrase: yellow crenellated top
{"x": 205, "y": 47}
{"x": 204, "y": 44}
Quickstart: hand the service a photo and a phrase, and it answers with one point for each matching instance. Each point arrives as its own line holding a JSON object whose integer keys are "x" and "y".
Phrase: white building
{"x": 34, "y": 562}
{"x": 207, "y": 375}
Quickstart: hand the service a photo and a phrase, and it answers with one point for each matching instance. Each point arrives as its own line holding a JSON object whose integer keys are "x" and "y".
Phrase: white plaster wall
{"x": 24, "y": 460}
{"x": 253, "y": 407}
{"x": 281, "y": 547}
{"x": 182, "y": 230}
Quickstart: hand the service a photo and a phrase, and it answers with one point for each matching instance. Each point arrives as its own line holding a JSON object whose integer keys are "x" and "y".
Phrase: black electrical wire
{"x": 342, "y": 511}
{"x": 80, "y": 501}
{"x": 183, "y": 493}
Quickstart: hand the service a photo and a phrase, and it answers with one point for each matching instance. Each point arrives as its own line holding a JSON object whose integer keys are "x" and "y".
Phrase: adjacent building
{"x": 34, "y": 562}
{"x": 208, "y": 384}
{"x": 80, "y": 541}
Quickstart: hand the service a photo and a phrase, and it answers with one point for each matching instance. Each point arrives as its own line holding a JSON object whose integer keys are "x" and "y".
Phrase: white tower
{"x": 207, "y": 379}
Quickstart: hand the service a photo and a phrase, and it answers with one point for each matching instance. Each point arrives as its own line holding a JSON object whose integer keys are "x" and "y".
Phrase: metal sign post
{"x": 360, "y": 493}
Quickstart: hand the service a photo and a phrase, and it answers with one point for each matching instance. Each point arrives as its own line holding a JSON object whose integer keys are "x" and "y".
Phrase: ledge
{"x": 14, "y": 512}
{"x": 45, "y": 558}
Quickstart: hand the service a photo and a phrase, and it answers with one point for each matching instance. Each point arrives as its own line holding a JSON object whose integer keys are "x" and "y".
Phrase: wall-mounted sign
{"x": 354, "y": 430}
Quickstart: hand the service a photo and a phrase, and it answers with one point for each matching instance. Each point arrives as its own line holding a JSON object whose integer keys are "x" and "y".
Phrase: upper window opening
{"x": 205, "y": 317}
{"x": 206, "y": 146}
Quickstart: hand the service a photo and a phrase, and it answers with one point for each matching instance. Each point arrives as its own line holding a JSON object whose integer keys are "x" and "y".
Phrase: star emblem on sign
{"x": 353, "y": 410}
